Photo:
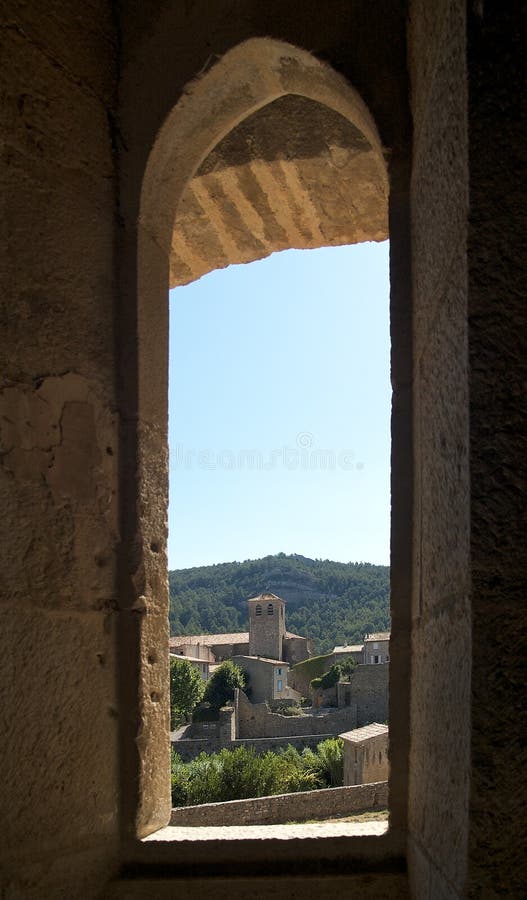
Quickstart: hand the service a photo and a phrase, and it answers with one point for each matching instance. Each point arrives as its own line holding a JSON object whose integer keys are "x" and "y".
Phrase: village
{"x": 292, "y": 698}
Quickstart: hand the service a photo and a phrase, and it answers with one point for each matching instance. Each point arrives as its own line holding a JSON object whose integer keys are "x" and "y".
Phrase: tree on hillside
{"x": 186, "y": 690}
{"x": 221, "y": 685}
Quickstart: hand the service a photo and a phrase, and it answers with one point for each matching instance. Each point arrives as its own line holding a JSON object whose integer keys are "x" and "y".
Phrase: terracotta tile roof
{"x": 266, "y": 596}
{"x": 237, "y": 637}
{"x": 378, "y": 636}
{"x": 363, "y": 734}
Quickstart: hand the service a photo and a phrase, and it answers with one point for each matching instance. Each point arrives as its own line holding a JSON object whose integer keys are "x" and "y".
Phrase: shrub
{"x": 285, "y": 708}
{"x": 240, "y": 773}
{"x": 205, "y": 713}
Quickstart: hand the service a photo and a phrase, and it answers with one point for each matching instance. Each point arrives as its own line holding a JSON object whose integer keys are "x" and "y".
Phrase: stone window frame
{"x": 211, "y": 108}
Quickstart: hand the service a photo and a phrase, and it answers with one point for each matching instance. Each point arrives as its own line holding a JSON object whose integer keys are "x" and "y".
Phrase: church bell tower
{"x": 266, "y": 626}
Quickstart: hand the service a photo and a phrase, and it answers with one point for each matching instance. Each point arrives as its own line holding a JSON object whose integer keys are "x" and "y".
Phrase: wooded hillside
{"x": 330, "y": 602}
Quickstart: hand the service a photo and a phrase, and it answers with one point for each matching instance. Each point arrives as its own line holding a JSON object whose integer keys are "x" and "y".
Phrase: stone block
{"x": 153, "y": 735}
{"x": 430, "y": 25}
{"x": 59, "y": 442}
{"x": 439, "y": 186}
{"x": 59, "y": 719}
{"x": 440, "y": 738}
{"x": 63, "y": 876}
{"x": 443, "y": 479}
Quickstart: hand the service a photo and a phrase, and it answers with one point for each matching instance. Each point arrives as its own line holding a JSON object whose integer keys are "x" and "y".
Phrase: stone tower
{"x": 266, "y": 626}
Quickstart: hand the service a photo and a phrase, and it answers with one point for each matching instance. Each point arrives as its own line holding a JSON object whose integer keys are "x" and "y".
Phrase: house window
{"x": 278, "y": 671}
{"x": 279, "y": 684}
{"x": 376, "y": 659}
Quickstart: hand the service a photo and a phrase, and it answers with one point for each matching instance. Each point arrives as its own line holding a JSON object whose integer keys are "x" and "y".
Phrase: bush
{"x": 205, "y": 713}
{"x": 285, "y": 708}
{"x": 335, "y": 673}
{"x": 240, "y": 773}
{"x": 330, "y": 678}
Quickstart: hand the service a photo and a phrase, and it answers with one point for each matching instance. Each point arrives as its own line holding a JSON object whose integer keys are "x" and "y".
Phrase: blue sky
{"x": 279, "y": 409}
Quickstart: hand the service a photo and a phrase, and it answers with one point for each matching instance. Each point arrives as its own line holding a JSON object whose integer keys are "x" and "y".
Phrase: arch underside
{"x": 295, "y": 174}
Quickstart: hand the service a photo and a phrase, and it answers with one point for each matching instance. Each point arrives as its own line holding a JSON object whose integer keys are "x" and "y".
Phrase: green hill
{"x": 330, "y": 602}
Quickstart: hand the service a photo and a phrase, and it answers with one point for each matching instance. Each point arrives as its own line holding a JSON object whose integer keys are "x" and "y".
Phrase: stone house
{"x": 376, "y": 648}
{"x": 202, "y": 665}
{"x": 268, "y": 678}
{"x": 144, "y": 145}
{"x": 350, "y": 651}
{"x": 366, "y": 754}
{"x": 218, "y": 647}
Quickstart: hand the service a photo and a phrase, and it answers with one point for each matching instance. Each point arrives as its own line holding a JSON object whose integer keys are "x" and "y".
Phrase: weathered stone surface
{"x": 439, "y": 187}
{"x": 59, "y": 456}
{"x": 293, "y": 174}
{"x": 442, "y": 425}
{"x": 439, "y": 784}
{"x": 59, "y": 715}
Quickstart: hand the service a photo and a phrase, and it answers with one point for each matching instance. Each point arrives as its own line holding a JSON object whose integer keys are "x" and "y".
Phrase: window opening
{"x": 251, "y": 653}
{"x": 353, "y": 137}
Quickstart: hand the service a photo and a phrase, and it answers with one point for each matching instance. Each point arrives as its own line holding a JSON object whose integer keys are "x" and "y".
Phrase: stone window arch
{"x": 261, "y": 77}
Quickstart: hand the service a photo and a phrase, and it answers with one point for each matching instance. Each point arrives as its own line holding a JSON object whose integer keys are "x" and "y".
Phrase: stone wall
{"x": 441, "y": 619}
{"x": 369, "y": 692}
{"x": 189, "y": 748}
{"x": 329, "y": 803}
{"x": 256, "y": 721}
{"x": 59, "y": 459}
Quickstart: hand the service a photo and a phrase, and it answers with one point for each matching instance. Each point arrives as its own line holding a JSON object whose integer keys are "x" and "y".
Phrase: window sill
{"x": 304, "y": 830}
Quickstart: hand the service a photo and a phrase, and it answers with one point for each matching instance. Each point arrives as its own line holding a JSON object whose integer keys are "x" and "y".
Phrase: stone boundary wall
{"x": 188, "y": 749}
{"x": 256, "y": 721}
{"x": 329, "y": 802}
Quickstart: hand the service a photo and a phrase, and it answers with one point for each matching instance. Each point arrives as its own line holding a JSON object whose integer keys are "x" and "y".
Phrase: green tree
{"x": 186, "y": 690}
{"x": 220, "y": 686}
